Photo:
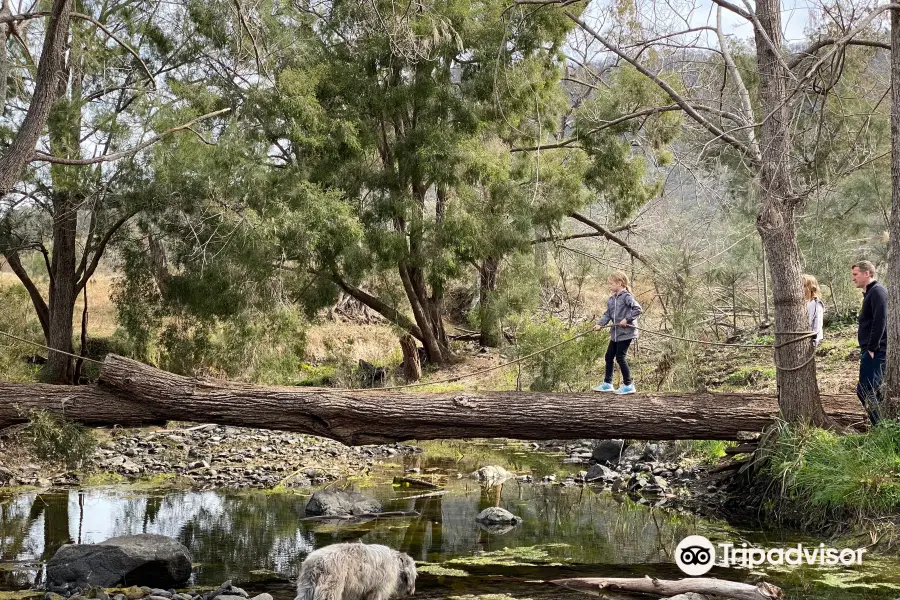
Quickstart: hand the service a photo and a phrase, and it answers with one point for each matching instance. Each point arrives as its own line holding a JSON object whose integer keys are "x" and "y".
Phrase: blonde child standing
{"x": 815, "y": 308}
{"x": 622, "y": 310}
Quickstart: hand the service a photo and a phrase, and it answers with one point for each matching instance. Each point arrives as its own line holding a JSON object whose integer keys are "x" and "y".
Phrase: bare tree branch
{"x": 44, "y": 157}
{"x": 40, "y": 305}
{"x": 734, "y": 8}
{"x": 743, "y": 92}
{"x": 614, "y": 239}
{"x": 674, "y": 95}
{"x": 819, "y": 44}
{"x": 101, "y": 248}
{"x": 116, "y": 39}
{"x": 578, "y": 236}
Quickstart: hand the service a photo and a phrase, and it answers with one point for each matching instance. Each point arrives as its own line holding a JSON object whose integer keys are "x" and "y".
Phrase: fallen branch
{"x": 418, "y": 496}
{"x": 417, "y": 482}
{"x": 395, "y": 514}
{"x": 659, "y": 587}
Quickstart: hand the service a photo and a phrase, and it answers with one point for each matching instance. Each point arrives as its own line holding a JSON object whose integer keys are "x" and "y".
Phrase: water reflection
{"x": 247, "y": 536}
{"x": 233, "y": 535}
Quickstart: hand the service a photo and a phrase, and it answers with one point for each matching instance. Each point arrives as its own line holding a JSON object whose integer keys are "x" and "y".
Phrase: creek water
{"x": 259, "y": 539}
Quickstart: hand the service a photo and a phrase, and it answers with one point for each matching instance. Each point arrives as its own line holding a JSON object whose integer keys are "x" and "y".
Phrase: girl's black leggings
{"x": 617, "y": 350}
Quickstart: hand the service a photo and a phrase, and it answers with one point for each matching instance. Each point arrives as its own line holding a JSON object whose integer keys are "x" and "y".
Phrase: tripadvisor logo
{"x": 695, "y": 555}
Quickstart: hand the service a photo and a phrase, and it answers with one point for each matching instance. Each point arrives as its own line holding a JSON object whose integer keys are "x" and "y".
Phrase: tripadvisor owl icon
{"x": 695, "y": 555}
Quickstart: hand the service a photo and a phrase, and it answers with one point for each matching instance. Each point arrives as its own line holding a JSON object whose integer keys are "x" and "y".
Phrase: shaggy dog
{"x": 356, "y": 572}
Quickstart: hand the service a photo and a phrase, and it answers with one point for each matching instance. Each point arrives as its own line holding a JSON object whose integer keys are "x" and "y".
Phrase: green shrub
{"x": 54, "y": 439}
{"x": 702, "y": 451}
{"x": 566, "y": 367}
{"x": 832, "y": 476}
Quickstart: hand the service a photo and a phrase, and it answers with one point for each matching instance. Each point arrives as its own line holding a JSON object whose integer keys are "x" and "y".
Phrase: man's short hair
{"x": 866, "y": 266}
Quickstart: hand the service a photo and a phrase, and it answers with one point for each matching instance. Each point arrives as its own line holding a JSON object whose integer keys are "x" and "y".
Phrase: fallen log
{"x": 88, "y": 404}
{"x": 706, "y": 586}
{"x": 130, "y": 393}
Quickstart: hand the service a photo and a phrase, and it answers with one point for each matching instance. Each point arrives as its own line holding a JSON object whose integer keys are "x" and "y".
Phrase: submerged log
{"x": 130, "y": 393}
{"x": 706, "y": 586}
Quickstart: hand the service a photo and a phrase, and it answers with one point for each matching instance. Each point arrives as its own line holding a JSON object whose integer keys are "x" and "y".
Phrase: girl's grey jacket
{"x": 621, "y": 306}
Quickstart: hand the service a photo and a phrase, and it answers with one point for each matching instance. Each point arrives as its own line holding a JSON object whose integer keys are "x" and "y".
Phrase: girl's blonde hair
{"x": 810, "y": 286}
{"x": 621, "y": 277}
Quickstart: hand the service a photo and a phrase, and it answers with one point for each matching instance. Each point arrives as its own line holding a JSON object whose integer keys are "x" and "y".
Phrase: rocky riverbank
{"x": 200, "y": 457}
{"x": 226, "y": 591}
{"x": 650, "y": 473}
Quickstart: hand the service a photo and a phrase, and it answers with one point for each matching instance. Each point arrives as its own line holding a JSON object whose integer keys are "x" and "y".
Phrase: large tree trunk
{"x": 131, "y": 392}
{"x": 60, "y": 368}
{"x": 412, "y": 366}
{"x": 798, "y": 391}
{"x": 891, "y": 408}
{"x": 431, "y": 338}
{"x": 488, "y": 311}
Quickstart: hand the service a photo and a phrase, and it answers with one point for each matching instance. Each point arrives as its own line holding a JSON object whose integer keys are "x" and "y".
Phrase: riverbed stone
{"x": 608, "y": 451}
{"x": 134, "y": 593}
{"x": 492, "y": 475}
{"x": 497, "y": 515}
{"x": 689, "y": 596}
{"x": 144, "y": 558}
{"x": 600, "y": 473}
{"x": 262, "y": 596}
{"x": 332, "y": 503}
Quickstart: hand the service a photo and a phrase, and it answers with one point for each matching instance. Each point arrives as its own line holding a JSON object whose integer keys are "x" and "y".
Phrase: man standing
{"x": 872, "y": 337}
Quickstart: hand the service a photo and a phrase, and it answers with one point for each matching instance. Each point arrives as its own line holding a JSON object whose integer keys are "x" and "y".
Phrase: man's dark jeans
{"x": 871, "y": 370}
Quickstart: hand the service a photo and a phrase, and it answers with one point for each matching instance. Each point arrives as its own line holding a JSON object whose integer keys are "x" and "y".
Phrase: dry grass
{"x": 101, "y": 310}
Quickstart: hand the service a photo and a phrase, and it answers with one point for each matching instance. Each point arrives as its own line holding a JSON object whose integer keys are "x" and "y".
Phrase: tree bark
{"x": 891, "y": 408}
{"x": 430, "y": 338}
{"x": 488, "y": 311}
{"x": 60, "y": 368}
{"x": 412, "y": 367}
{"x": 798, "y": 391}
{"x": 706, "y": 586}
{"x": 46, "y": 91}
{"x": 130, "y": 392}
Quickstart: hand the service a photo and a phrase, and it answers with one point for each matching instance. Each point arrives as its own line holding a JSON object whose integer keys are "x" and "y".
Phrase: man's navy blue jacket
{"x": 872, "y": 334}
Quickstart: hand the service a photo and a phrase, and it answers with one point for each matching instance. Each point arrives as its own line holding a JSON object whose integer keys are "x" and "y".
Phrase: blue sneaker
{"x": 604, "y": 387}
{"x": 626, "y": 389}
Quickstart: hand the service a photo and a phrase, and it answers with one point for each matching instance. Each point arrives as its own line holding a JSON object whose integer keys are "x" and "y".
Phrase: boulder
{"x": 632, "y": 454}
{"x": 601, "y": 473}
{"x": 608, "y": 451}
{"x": 492, "y": 475}
{"x": 145, "y": 559}
{"x": 338, "y": 503}
{"x": 497, "y": 516}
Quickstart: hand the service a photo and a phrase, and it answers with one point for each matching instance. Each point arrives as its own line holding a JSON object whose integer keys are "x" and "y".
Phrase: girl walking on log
{"x": 622, "y": 310}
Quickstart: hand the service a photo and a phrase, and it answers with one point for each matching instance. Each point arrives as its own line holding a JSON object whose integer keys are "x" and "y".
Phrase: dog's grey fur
{"x": 356, "y": 572}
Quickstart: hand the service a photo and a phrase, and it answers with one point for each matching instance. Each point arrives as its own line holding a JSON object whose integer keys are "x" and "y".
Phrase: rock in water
{"x": 492, "y": 475}
{"x": 497, "y": 516}
{"x": 608, "y": 451}
{"x": 600, "y": 473}
{"x": 144, "y": 559}
{"x": 334, "y": 503}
